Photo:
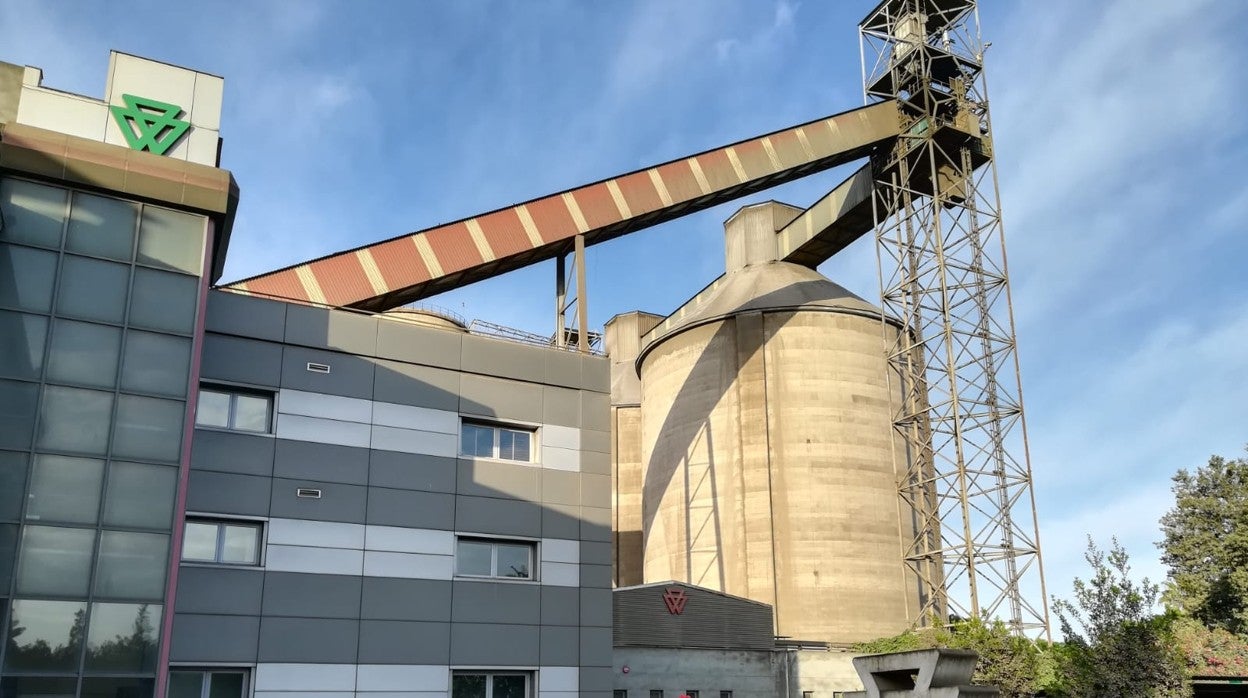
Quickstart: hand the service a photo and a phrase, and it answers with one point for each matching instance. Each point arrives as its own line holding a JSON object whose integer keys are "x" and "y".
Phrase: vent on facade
{"x": 308, "y": 493}
{"x": 318, "y": 368}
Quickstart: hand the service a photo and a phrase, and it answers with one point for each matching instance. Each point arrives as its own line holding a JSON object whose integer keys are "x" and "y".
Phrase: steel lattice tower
{"x": 943, "y": 274}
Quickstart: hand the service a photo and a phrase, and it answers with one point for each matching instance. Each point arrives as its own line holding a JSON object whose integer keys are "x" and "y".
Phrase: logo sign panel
{"x": 675, "y": 599}
{"x": 148, "y": 124}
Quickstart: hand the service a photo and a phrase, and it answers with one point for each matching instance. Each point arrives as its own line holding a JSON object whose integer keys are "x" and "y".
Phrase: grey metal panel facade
{"x": 237, "y": 360}
{"x": 709, "y": 619}
{"x": 342, "y": 618}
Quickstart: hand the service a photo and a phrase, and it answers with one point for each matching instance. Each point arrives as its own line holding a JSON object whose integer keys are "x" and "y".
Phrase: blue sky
{"x": 1119, "y": 134}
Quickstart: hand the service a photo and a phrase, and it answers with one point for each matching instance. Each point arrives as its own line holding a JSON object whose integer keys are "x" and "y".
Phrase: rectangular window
{"x": 222, "y": 408}
{"x": 619, "y": 693}
{"x": 495, "y": 441}
{"x": 223, "y": 542}
{"x": 725, "y": 694}
{"x": 656, "y": 693}
{"x": 489, "y": 684}
{"x": 504, "y": 559}
{"x": 808, "y": 694}
{"x": 204, "y": 683}
{"x": 691, "y": 694}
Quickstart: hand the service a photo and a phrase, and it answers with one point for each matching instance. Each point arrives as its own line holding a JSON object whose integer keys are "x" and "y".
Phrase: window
{"x": 493, "y": 684}
{"x": 222, "y": 408}
{"x": 217, "y": 683}
{"x": 725, "y": 694}
{"x": 476, "y": 557}
{"x": 619, "y": 693}
{"x": 494, "y": 441}
{"x": 656, "y": 693}
{"x": 691, "y": 694}
{"x": 224, "y": 542}
{"x": 808, "y": 694}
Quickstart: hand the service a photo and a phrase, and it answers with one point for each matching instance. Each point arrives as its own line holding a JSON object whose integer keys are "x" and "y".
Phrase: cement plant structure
{"x": 890, "y": 482}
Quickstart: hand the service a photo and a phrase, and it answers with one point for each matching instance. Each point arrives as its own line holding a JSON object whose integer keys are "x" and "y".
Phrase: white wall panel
{"x": 561, "y": 550}
{"x": 324, "y": 431}
{"x": 561, "y": 437}
{"x": 317, "y": 534}
{"x": 305, "y": 677}
{"x": 343, "y": 409}
{"x": 413, "y": 441}
{"x": 559, "y": 679}
{"x": 421, "y": 418}
{"x": 403, "y": 678}
{"x": 409, "y": 540}
{"x": 408, "y": 565}
{"x": 295, "y": 558}
{"x": 561, "y": 574}
{"x": 561, "y": 458}
{"x": 62, "y": 113}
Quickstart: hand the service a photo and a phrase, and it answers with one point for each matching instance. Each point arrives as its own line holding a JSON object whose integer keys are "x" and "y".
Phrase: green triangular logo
{"x": 148, "y": 124}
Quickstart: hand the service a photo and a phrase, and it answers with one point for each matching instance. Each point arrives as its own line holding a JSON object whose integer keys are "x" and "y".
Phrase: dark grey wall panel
{"x": 596, "y": 441}
{"x": 710, "y": 620}
{"x": 326, "y": 462}
{"x": 241, "y": 361}
{"x": 311, "y": 595}
{"x": 563, "y": 368}
{"x": 596, "y": 373}
{"x": 221, "y": 590}
{"x": 405, "y": 341}
{"x": 595, "y": 490}
{"x": 595, "y": 524}
{"x": 596, "y": 576}
{"x": 331, "y": 329}
{"x": 596, "y": 607}
{"x": 560, "y": 646}
{"x": 596, "y": 678}
{"x": 561, "y": 521}
{"x": 214, "y": 638}
{"x": 248, "y": 316}
{"x": 595, "y": 462}
{"x": 349, "y": 376}
{"x": 595, "y": 411}
{"x": 496, "y": 602}
{"x": 388, "y": 507}
{"x": 228, "y": 493}
{"x": 422, "y": 386}
{"x": 561, "y": 406}
{"x": 593, "y": 553}
{"x": 492, "y": 479}
{"x": 386, "y": 598}
{"x": 561, "y": 605}
{"x": 500, "y": 516}
{"x": 310, "y": 640}
{"x": 491, "y": 644}
{"x": 496, "y": 357}
{"x": 232, "y": 452}
{"x": 595, "y": 651}
{"x": 410, "y": 471}
{"x": 344, "y": 503}
{"x": 496, "y": 397}
{"x": 561, "y": 487}
{"x": 402, "y": 642}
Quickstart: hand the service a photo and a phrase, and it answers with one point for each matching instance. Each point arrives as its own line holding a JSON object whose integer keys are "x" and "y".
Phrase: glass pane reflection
{"x": 45, "y": 635}
{"x": 65, "y": 489}
{"x": 122, "y": 637}
{"x": 55, "y": 561}
{"x": 33, "y": 213}
{"x": 132, "y": 565}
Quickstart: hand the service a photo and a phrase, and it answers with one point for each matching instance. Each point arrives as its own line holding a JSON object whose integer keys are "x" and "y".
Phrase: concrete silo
{"x": 766, "y": 446}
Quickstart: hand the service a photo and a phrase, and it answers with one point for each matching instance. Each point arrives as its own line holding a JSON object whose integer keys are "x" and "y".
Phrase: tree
{"x": 1206, "y": 544}
{"x": 1115, "y": 646}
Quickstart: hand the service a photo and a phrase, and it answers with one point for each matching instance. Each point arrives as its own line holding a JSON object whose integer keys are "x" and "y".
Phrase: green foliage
{"x": 1115, "y": 646}
{"x": 1211, "y": 651}
{"x": 1014, "y": 664}
{"x": 1206, "y": 544}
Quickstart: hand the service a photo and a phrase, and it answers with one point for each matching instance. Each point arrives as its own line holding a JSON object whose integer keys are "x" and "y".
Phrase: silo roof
{"x": 756, "y": 288}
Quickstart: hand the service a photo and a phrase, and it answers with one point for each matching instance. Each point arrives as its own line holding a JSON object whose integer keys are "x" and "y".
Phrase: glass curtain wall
{"x": 97, "y": 307}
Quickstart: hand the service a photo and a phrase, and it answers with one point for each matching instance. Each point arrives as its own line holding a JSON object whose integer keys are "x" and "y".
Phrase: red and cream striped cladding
{"x": 390, "y": 273}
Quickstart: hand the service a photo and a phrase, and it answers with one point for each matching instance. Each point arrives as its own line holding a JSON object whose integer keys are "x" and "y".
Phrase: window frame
{"x": 233, "y": 393}
{"x": 221, "y": 524}
{"x": 489, "y": 675}
{"x": 494, "y": 543}
{"x": 497, "y": 429}
{"x": 205, "y": 687}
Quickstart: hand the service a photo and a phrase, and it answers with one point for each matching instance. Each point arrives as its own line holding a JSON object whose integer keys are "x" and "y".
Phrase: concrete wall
{"x": 747, "y": 673}
{"x": 357, "y": 591}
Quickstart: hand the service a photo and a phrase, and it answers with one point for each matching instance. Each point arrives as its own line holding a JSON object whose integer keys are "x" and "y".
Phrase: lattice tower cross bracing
{"x": 941, "y": 255}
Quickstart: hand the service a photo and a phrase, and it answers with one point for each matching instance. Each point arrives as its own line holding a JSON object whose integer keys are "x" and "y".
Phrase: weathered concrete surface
{"x": 747, "y": 673}
{"x": 934, "y": 673}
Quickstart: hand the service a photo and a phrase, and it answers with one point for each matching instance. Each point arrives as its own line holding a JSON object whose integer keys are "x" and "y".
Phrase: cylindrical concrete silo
{"x": 767, "y": 446}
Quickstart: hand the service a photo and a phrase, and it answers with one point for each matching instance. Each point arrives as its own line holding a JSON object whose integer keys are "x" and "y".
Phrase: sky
{"x": 1118, "y": 129}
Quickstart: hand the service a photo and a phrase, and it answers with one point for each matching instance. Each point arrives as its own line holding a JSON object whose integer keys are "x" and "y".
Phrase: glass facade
{"x": 97, "y": 306}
